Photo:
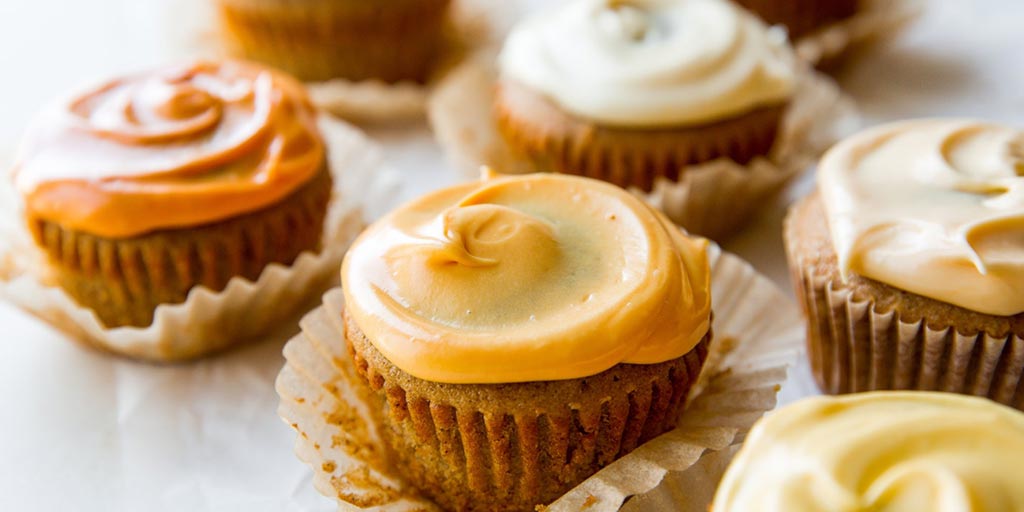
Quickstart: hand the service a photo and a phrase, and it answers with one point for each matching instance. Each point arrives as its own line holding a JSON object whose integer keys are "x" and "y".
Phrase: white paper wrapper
{"x": 875, "y": 20}
{"x": 758, "y": 334}
{"x": 210, "y": 321}
{"x": 711, "y": 199}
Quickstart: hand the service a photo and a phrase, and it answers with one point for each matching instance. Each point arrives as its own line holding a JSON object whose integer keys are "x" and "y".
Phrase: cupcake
{"x": 145, "y": 187}
{"x": 909, "y": 260}
{"x": 634, "y": 92}
{"x": 318, "y": 40}
{"x": 517, "y": 335}
{"x": 885, "y": 451}
{"x": 801, "y": 17}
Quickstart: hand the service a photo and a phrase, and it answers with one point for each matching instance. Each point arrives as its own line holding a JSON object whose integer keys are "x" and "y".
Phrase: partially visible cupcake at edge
{"x": 141, "y": 188}
{"x": 909, "y": 260}
{"x": 890, "y": 451}
{"x": 320, "y": 40}
{"x": 802, "y": 17}
{"x": 632, "y": 92}
{"x": 518, "y": 334}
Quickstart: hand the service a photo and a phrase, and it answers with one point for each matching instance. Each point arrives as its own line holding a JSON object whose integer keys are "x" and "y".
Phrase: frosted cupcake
{"x": 633, "y": 92}
{"x": 140, "y": 189}
{"x": 909, "y": 260}
{"x": 885, "y": 451}
{"x": 518, "y": 334}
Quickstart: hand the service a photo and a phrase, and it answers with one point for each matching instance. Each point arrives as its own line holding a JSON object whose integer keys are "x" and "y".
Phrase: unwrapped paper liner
{"x": 874, "y": 20}
{"x": 210, "y": 321}
{"x": 712, "y": 199}
{"x": 757, "y": 336}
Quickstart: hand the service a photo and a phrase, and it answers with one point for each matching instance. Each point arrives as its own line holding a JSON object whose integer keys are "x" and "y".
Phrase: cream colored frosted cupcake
{"x": 909, "y": 260}
{"x": 885, "y": 452}
{"x": 633, "y": 92}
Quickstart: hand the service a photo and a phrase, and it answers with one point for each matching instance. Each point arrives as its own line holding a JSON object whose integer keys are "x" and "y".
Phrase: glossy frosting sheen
{"x": 934, "y": 207}
{"x": 528, "y": 278}
{"x": 651, "y": 62}
{"x": 880, "y": 452}
{"x": 171, "y": 148}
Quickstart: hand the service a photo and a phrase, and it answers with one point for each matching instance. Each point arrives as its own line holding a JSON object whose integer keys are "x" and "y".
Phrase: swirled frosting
{"x": 651, "y": 62}
{"x": 934, "y": 207}
{"x": 527, "y": 278}
{"x": 170, "y": 148}
{"x": 883, "y": 452}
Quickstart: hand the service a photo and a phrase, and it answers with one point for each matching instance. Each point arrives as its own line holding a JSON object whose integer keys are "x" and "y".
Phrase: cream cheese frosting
{"x": 880, "y": 452}
{"x": 527, "y": 278}
{"x": 173, "y": 147}
{"x": 651, "y": 62}
{"x": 934, "y": 207}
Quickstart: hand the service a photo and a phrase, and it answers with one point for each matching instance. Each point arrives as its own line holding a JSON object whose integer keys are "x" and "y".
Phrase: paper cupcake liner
{"x": 875, "y": 20}
{"x": 211, "y": 321}
{"x": 855, "y": 345}
{"x": 712, "y": 199}
{"x": 495, "y": 454}
{"x": 757, "y": 336}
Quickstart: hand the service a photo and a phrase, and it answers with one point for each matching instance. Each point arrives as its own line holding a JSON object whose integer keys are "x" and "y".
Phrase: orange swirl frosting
{"x": 527, "y": 278}
{"x": 171, "y": 148}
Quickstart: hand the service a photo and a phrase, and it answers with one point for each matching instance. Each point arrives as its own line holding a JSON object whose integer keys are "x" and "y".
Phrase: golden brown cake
{"x": 317, "y": 40}
{"x": 517, "y": 335}
{"x": 638, "y": 93}
{"x": 146, "y": 186}
{"x": 908, "y": 263}
{"x": 801, "y": 17}
{"x": 883, "y": 451}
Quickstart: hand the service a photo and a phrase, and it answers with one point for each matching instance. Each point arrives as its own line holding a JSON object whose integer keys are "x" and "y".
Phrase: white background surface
{"x": 84, "y": 431}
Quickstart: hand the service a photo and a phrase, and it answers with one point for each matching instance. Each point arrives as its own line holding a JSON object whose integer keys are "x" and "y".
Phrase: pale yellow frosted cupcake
{"x": 884, "y": 452}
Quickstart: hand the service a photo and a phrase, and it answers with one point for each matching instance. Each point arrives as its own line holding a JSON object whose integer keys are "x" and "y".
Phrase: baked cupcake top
{"x": 884, "y": 451}
{"x": 169, "y": 148}
{"x": 934, "y": 207}
{"x": 651, "y": 62}
{"x": 527, "y": 278}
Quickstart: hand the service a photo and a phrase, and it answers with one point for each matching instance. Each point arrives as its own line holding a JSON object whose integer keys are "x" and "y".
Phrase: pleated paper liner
{"x": 874, "y": 21}
{"x": 855, "y": 345}
{"x": 712, "y": 199}
{"x": 211, "y": 321}
{"x": 757, "y": 336}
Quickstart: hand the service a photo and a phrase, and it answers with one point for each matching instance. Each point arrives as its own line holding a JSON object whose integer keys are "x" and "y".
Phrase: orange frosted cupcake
{"x": 317, "y": 40}
{"x": 518, "y": 334}
{"x": 630, "y": 92}
{"x": 909, "y": 260}
{"x": 801, "y": 17}
{"x": 149, "y": 185}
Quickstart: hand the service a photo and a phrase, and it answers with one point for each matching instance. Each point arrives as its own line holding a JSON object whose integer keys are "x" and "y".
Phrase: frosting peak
{"x": 169, "y": 148}
{"x": 935, "y": 207}
{"x": 882, "y": 451}
{"x": 538, "y": 277}
{"x": 651, "y": 62}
